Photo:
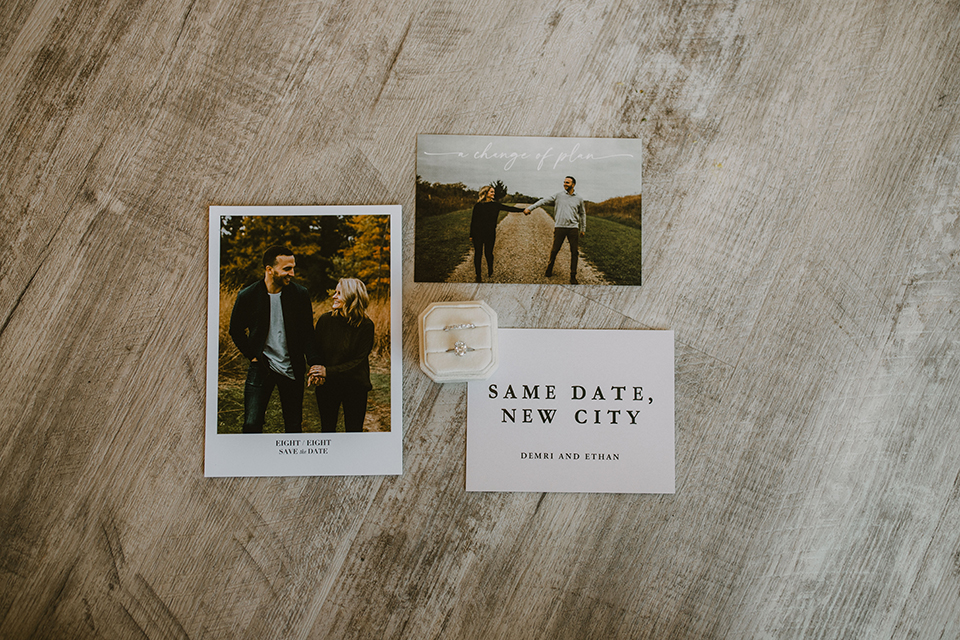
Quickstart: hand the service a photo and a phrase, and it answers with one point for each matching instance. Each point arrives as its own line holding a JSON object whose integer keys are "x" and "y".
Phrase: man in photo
{"x": 272, "y": 325}
{"x": 569, "y": 221}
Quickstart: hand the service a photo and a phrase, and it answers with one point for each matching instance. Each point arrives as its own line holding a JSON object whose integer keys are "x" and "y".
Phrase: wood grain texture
{"x": 801, "y": 237}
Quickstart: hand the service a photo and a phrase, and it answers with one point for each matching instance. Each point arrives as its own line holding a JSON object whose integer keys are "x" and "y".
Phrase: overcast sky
{"x": 603, "y": 167}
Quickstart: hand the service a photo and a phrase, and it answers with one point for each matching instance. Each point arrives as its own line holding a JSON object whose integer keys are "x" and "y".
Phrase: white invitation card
{"x": 572, "y": 410}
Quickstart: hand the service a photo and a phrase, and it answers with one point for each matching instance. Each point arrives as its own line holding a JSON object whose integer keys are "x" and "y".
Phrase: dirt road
{"x": 521, "y": 253}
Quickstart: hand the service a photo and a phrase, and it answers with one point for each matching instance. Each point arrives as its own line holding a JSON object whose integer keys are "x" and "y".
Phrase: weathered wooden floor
{"x": 801, "y": 236}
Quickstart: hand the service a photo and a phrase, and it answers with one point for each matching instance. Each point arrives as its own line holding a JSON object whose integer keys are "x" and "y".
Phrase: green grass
{"x": 442, "y": 243}
{"x": 614, "y": 249}
{"x": 230, "y": 407}
{"x": 378, "y": 399}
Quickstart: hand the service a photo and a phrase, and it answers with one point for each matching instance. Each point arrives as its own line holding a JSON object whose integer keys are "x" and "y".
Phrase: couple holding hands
{"x": 570, "y": 223}
{"x": 272, "y": 325}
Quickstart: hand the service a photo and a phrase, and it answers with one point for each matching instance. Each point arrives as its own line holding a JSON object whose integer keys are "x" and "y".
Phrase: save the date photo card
{"x": 574, "y": 410}
{"x": 303, "y": 341}
{"x": 528, "y": 210}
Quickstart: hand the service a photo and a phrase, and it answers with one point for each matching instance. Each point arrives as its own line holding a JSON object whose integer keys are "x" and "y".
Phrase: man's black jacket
{"x": 250, "y": 322}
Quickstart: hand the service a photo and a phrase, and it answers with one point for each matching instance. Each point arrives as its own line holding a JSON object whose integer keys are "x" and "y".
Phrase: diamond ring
{"x": 465, "y": 325}
{"x": 460, "y": 348}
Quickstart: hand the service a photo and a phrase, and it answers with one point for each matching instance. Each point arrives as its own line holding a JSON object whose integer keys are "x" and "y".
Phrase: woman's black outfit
{"x": 344, "y": 350}
{"x": 483, "y": 230}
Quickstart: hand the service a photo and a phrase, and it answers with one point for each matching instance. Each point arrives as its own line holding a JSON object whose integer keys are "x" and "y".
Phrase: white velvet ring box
{"x": 458, "y": 341}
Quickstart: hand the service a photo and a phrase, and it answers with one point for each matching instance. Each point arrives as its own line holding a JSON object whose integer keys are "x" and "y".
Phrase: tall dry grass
{"x": 624, "y": 209}
{"x": 233, "y": 364}
{"x": 379, "y": 312}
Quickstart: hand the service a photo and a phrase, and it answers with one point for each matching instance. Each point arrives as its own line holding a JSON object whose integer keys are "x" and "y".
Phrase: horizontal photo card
{"x": 573, "y": 410}
{"x": 523, "y": 210}
{"x": 303, "y": 341}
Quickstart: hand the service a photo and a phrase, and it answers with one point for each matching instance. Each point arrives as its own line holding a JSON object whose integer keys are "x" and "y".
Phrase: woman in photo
{"x": 344, "y": 341}
{"x": 483, "y": 228}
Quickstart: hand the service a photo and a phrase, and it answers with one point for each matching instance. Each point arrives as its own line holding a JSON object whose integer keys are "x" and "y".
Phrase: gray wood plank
{"x": 801, "y": 237}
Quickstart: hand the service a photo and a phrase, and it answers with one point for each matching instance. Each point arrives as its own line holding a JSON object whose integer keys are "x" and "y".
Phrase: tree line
{"x": 435, "y": 198}
{"x": 327, "y": 248}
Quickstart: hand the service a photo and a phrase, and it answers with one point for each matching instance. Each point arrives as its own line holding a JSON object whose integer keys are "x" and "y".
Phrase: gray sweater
{"x": 569, "y": 211}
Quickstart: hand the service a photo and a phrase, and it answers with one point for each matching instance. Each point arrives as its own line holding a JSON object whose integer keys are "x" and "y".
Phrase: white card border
{"x": 256, "y": 455}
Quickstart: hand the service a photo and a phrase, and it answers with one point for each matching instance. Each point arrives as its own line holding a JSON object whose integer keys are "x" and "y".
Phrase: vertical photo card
{"x": 303, "y": 341}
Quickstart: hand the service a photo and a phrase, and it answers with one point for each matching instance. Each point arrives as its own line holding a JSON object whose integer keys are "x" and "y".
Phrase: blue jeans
{"x": 261, "y": 380}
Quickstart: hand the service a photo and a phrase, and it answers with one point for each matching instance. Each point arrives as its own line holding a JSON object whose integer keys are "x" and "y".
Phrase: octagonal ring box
{"x": 458, "y": 341}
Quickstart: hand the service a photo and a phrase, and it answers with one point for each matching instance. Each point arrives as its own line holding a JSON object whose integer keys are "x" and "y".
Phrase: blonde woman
{"x": 483, "y": 228}
{"x": 344, "y": 341}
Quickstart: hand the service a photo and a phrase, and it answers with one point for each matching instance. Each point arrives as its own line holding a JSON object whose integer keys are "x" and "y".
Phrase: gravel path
{"x": 521, "y": 253}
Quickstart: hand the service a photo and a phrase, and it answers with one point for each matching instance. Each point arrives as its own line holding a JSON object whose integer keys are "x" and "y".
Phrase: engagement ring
{"x": 465, "y": 325}
{"x": 460, "y": 348}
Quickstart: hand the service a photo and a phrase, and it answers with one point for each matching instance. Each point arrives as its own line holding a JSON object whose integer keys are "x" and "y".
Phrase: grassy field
{"x": 626, "y": 210}
{"x": 614, "y": 249}
{"x": 230, "y": 407}
{"x": 442, "y": 243}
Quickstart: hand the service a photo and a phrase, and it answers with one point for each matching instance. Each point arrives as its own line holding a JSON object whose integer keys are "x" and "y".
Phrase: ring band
{"x": 460, "y": 348}
{"x": 465, "y": 325}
